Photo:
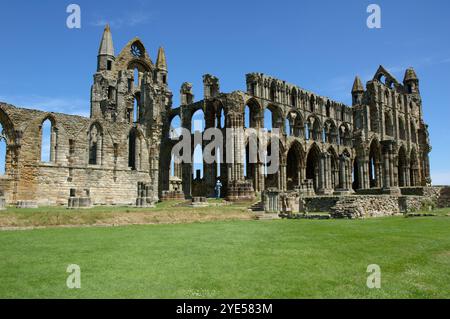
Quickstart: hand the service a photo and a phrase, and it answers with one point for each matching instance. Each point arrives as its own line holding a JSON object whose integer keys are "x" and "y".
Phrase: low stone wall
{"x": 366, "y": 206}
{"x": 378, "y": 206}
{"x": 358, "y": 205}
{"x": 410, "y": 204}
{"x": 321, "y": 204}
{"x": 444, "y": 197}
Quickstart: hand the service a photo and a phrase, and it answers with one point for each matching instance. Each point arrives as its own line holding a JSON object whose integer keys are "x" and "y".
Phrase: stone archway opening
{"x": 402, "y": 168}
{"x": 294, "y": 163}
{"x": 414, "y": 169}
{"x": 312, "y": 167}
{"x": 375, "y": 169}
{"x": 252, "y": 114}
{"x": 334, "y": 161}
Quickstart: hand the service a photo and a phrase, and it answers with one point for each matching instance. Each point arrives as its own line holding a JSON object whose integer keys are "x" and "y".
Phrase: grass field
{"x": 164, "y": 213}
{"x": 232, "y": 259}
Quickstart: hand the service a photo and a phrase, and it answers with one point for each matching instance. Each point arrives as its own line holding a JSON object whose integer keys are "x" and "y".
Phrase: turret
{"x": 161, "y": 67}
{"x": 357, "y": 91}
{"x": 106, "y": 56}
{"x": 411, "y": 81}
{"x": 211, "y": 86}
{"x": 186, "y": 95}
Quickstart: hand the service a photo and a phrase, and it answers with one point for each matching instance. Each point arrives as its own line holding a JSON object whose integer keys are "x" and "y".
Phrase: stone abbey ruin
{"x": 371, "y": 158}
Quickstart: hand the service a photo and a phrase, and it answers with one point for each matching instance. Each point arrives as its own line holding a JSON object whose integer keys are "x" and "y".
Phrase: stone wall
{"x": 109, "y": 181}
{"x": 354, "y": 206}
{"x": 366, "y": 206}
{"x": 321, "y": 204}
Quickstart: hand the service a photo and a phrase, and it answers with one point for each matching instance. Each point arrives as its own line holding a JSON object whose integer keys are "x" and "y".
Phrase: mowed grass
{"x": 232, "y": 259}
{"x": 165, "y": 212}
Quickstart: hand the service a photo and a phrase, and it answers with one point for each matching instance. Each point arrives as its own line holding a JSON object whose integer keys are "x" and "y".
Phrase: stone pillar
{"x": 364, "y": 174}
{"x": 349, "y": 173}
{"x": 426, "y": 177}
{"x": 283, "y": 177}
{"x": 177, "y": 168}
{"x": 342, "y": 177}
{"x": 99, "y": 150}
{"x": 386, "y": 174}
{"x": 378, "y": 173}
{"x": 259, "y": 176}
{"x": 322, "y": 175}
{"x": 394, "y": 180}
{"x": 406, "y": 175}
{"x": 389, "y": 184}
{"x": 360, "y": 168}
{"x": 53, "y": 144}
{"x": 329, "y": 173}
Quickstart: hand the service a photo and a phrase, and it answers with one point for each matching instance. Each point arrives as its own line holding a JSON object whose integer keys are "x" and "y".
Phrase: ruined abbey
{"x": 122, "y": 153}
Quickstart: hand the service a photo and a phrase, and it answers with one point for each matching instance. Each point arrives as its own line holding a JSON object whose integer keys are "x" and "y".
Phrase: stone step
{"x": 266, "y": 216}
{"x": 257, "y": 207}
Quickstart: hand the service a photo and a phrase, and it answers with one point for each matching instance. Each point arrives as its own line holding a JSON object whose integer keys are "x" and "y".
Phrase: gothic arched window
{"x": 95, "y": 145}
{"x": 48, "y": 141}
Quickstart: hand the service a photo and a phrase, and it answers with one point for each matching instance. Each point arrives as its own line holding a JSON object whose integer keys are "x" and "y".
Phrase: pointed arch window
{"x": 3, "y": 152}
{"x": 134, "y": 150}
{"x": 49, "y": 145}
{"x": 95, "y": 145}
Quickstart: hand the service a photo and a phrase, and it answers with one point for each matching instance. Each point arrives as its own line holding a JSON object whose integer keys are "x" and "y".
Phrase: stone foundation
{"x": 199, "y": 201}
{"x": 239, "y": 191}
{"x": 348, "y": 206}
{"x": 26, "y": 204}
{"x": 144, "y": 202}
{"x": 172, "y": 195}
{"x": 366, "y": 206}
{"x": 79, "y": 202}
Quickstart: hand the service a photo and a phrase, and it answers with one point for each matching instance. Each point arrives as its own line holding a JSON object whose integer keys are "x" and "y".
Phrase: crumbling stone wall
{"x": 111, "y": 181}
{"x": 321, "y": 204}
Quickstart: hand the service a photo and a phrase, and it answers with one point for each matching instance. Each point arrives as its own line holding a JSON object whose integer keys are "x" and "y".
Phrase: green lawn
{"x": 232, "y": 259}
{"x": 164, "y": 213}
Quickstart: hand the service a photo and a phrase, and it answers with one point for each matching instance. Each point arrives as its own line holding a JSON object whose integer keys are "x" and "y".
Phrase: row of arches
{"x": 294, "y": 124}
{"x": 406, "y": 164}
{"x": 278, "y": 92}
{"x": 389, "y": 126}
{"x": 49, "y": 146}
{"x": 198, "y": 120}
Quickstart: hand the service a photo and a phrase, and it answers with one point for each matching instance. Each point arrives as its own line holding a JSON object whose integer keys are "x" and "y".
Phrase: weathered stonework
{"x": 122, "y": 153}
{"x": 109, "y": 154}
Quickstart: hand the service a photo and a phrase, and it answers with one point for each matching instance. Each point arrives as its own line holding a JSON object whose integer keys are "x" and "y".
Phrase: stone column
{"x": 329, "y": 173}
{"x": 342, "y": 178}
{"x": 394, "y": 180}
{"x": 426, "y": 177}
{"x": 261, "y": 181}
{"x": 177, "y": 172}
{"x": 99, "y": 149}
{"x": 361, "y": 179}
{"x": 53, "y": 145}
{"x": 378, "y": 166}
{"x": 342, "y": 173}
{"x": 323, "y": 181}
{"x": 386, "y": 173}
{"x": 406, "y": 175}
{"x": 365, "y": 173}
{"x": 349, "y": 173}
{"x": 389, "y": 184}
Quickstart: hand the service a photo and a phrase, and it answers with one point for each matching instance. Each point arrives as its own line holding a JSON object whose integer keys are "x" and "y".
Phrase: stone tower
{"x": 130, "y": 90}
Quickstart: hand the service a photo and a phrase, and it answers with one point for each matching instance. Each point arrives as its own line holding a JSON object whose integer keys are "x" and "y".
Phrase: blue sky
{"x": 318, "y": 45}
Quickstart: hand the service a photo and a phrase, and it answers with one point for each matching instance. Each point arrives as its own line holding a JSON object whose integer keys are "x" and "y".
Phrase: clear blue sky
{"x": 318, "y": 45}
